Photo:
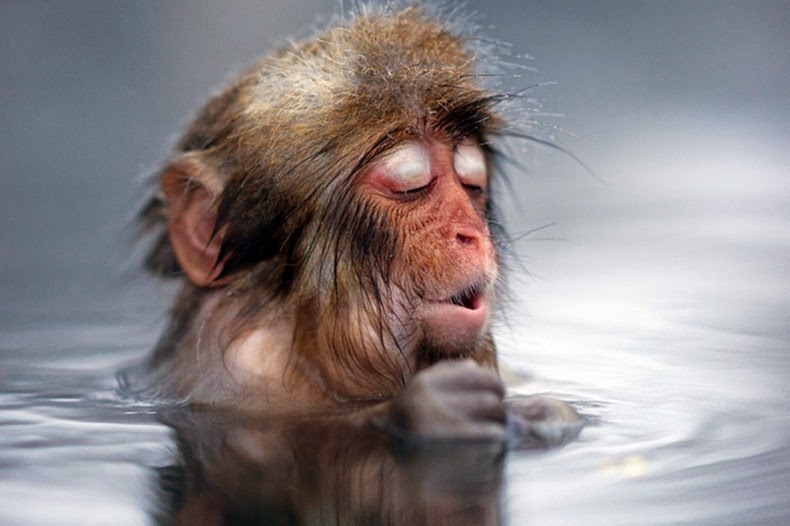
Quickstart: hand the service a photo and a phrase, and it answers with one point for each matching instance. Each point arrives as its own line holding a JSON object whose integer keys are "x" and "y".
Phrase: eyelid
{"x": 407, "y": 168}
{"x": 469, "y": 162}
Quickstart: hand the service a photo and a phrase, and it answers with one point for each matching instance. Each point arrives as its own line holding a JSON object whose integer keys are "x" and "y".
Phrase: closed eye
{"x": 407, "y": 169}
{"x": 415, "y": 194}
{"x": 474, "y": 189}
{"x": 469, "y": 162}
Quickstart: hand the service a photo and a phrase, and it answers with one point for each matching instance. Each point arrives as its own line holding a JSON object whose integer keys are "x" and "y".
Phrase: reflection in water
{"x": 244, "y": 471}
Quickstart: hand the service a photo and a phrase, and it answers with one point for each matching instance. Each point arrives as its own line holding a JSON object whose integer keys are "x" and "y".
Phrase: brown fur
{"x": 296, "y": 256}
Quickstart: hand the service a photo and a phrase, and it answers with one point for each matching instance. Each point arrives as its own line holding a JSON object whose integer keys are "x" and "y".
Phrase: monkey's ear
{"x": 191, "y": 223}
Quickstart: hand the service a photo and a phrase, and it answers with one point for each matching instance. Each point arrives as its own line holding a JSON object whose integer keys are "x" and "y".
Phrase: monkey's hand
{"x": 540, "y": 421}
{"x": 452, "y": 400}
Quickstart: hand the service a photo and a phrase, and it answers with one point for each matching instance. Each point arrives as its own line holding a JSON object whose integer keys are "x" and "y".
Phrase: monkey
{"x": 329, "y": 217}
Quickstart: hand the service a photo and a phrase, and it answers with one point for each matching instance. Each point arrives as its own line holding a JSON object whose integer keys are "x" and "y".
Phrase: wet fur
{"x": 280, "y": 150}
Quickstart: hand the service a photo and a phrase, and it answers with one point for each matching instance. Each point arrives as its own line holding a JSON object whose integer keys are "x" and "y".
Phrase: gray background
{"x": 92, "y": 94}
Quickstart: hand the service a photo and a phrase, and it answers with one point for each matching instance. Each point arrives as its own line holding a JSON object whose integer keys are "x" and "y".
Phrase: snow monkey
{"x": 329, "y": 215}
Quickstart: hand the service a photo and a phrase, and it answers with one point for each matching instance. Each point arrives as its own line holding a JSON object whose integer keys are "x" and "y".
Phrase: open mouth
{"x": 470, "y": 297}
{"x": 458, "y": 318}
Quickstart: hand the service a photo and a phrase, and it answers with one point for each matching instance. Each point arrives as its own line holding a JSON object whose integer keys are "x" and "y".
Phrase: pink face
{"x": 436, "y": 193}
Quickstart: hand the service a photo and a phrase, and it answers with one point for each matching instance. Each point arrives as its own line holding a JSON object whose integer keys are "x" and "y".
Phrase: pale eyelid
{"x": 469, "y": 163}
{"x": 408, "y": 167}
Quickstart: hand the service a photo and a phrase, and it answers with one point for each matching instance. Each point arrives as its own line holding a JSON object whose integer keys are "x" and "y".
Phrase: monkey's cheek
{"x": 448, "y": 324}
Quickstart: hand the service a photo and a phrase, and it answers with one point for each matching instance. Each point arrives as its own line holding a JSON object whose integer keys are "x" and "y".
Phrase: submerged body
{"x": 330, "y": 216}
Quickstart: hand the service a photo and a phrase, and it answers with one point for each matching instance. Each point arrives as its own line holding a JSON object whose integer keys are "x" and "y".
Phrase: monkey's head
{"x": 344, "y": 182}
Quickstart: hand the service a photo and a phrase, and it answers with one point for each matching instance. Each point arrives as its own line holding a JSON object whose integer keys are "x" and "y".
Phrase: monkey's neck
{"x": 222, "y": 348}
{"x": 226, "y": 347}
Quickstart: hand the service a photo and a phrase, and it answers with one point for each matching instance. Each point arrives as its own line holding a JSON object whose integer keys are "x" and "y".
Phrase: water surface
{"x": 656, "y": 302}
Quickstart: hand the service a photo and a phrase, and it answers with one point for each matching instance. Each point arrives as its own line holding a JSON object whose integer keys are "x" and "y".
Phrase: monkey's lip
{"x": 457, "y": 319}
{"x": 470, "y": 301}
{"x": 470, "y": 297}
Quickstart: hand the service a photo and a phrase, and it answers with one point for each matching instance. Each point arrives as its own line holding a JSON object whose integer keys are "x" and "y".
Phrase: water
{"x": 657, "y": 302}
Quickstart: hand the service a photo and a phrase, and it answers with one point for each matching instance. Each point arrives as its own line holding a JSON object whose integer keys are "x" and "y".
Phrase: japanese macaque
{"x": 330, "y": 216}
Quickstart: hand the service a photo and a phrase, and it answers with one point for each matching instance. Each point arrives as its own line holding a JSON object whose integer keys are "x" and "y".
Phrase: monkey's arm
{"x": 452, "y": 399}
{"x": 461, "y": 400}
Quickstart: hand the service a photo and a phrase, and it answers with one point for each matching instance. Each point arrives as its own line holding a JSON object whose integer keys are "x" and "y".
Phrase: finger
{"x": 465, "y": 376}
{"x": 483, "y": 431}
{"x": 481, "y": 406}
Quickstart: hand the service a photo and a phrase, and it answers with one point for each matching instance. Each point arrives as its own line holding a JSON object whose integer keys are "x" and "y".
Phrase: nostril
{"x": 465, "y": 240}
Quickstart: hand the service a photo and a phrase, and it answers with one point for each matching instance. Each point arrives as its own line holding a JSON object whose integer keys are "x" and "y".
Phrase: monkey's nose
{"x": 466, "y": 239}
{"x": 470, "y": 237}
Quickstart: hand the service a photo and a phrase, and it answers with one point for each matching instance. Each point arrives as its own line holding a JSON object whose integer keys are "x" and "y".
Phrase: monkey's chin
{"x": 449, "y": 325}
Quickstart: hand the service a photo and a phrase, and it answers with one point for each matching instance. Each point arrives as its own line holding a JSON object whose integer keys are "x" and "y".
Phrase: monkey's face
{"x": 436, "y": 193}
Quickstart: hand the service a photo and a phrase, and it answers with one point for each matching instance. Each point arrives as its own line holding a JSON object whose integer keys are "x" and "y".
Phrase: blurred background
{"x": 667, "y": 101}
{"x": 654, "y": 293}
